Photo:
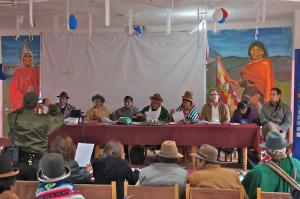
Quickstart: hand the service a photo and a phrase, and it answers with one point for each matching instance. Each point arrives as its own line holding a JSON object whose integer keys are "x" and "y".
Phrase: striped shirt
{"x": 190, "y": 114}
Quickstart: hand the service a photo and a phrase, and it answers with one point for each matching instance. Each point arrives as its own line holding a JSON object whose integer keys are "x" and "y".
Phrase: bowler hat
{"x": 274, "y": 141}
{"x": 64, "y": 94}
{"x": 207, "y": 152}
{"x": 156, "y": 96}
{"x": 30, "y": 100}
{"x": 6, "y": 169}
{"x": 188, "y": 95}
{"x": 52, "y": 168}
{"x": 169, "y": 149}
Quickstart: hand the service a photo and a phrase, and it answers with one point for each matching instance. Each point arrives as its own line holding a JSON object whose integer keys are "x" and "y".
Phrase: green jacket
{"x": 264, "y": 177}
{"x": 32, "y": 129}
{"x": 164, "y": 114}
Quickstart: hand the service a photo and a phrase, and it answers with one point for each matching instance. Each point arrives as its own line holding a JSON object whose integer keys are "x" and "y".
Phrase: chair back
{"x": 25, "y": 189}
{"x": 150, "y": 192}
{"x": 200, "y": 193}
{"x": 271, "y": 195}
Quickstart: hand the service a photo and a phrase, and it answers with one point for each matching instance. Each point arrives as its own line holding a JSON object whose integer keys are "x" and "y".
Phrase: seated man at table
{"x": 166, "y": 172}
{"x": 63, "y": 104}
{"x": 98, "y": 111}
{"x": 209, "y": 173}
{"x": 156, "y": 108}
{"x": 128, "y": 110}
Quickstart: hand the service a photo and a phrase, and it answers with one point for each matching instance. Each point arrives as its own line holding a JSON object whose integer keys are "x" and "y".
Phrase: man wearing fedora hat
{"x": 209, "y": 173}
{"x": 166, "y": 172}
{"x": 63, "y": 104}
{"x": 7, "y": 177}
{"x": 267, "y": 179}
{"x": 156, "y": 107}
{"x": 30, "y": 131}
{"x": 52, "y": 177}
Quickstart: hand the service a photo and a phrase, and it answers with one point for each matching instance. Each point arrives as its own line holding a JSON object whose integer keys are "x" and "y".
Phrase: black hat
{"x": 52, "y": 168}
{"x": 30, "y": 100}
{"x": 6, "y": 169}
{"x": 98, "y": 96}
{"x": 63, "y": 94}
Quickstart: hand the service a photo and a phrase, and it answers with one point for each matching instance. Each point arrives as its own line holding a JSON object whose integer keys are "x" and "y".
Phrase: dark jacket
{"x": 164, "y": 114}
{"x": 251, "y": 116}
{"x": 78, "y": 176}
{"x": 110, "y": 169}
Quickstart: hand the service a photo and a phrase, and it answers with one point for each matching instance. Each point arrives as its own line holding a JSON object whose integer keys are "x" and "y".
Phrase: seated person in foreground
{"x": 187, "y": 107}
{"x": 63, "y": 104}
{"x": 128, "y": 110}
{"x": 166, "y": 172}
{"x": 156, "y": 106}
{"x": 64, "y": 145}
{"x": 113, "y": 167}
{"x": 98, "y": 111}
{"x": 209, "y": 173}
{"x": 266, "y": 178}
{"x": 52, "y": 177}
{"x": 7, "y": 177}
{"x": 214, "y": 110}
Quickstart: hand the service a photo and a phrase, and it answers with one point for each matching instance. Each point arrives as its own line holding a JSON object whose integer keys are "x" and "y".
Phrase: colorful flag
{"x": 228, "y": 93}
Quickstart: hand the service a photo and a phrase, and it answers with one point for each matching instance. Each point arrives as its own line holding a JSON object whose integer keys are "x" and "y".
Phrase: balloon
{"x": 222, "y": 20}
{"x": 137, "y": 30}
{"x": 73, "y": 22}
{"x": 225, "y": 13}
{"x": 217, "y": 15}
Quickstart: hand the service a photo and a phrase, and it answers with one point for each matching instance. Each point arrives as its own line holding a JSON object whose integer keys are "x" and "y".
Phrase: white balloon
{"x": 217, "y": 15}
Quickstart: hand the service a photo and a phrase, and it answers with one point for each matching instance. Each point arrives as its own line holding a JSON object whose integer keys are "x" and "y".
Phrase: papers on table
{"x": 178, "y": 116}
{"x": 108, "y": 121}
{"x": 151, "y": 115}
{"x": 84, "y": 153}
{"x": 71, "y": 121}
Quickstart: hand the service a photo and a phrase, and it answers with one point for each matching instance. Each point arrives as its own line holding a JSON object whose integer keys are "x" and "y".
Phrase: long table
{"x": 242, "y": 136}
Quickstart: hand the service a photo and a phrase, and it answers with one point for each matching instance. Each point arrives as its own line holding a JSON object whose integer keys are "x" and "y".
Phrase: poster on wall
{"x": 21, "y": 66}
{"x": 245, "y": 68}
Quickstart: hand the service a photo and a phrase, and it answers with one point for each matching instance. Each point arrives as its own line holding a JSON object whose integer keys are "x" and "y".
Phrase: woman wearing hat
{"x": 98, "y": 111}
{"x": 7, "y": 177}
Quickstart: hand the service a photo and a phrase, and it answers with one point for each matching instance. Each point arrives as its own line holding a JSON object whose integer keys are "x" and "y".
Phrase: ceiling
{"x": 146, "y": 12}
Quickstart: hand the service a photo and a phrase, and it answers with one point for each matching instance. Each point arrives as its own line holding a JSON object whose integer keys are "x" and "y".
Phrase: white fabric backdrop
{"x": 115, "y": 65}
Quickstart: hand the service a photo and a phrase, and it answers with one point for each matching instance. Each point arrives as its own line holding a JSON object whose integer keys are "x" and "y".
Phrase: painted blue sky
{"x": 278, "y": 41}
{"x": 11, "y": 49}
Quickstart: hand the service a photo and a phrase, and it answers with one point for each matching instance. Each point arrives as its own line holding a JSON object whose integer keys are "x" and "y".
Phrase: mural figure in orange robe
{"x": 25, "y": 79}
{"x": 257, "y": 75}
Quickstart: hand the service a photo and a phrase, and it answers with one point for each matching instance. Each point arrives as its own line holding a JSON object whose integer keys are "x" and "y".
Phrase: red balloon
{"x": 225, "y": 13}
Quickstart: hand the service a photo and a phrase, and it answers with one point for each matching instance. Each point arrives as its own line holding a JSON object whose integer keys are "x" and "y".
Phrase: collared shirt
{"x": 215, "y": 116}
{"x": 126, "y": 112}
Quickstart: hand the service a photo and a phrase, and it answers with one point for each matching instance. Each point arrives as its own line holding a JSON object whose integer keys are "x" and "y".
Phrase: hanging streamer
{"x": 107, "y": 13}
{"x": 257, "y": 19}
{"x": 264, "y": 7}
{"x": 19, "y": 20}
{"x": 169, "y": 21}
{"x": 68, "y": 14}
{"x": 130, "y": 22}
{"x": 90, "y": 24}
{"x": 31, "y": 13}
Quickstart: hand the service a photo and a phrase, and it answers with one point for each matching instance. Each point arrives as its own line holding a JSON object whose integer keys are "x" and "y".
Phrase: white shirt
{"x": 215, "y": 116}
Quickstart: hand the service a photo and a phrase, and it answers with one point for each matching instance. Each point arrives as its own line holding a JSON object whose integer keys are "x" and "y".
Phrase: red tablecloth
{"x": 244, "y": 135}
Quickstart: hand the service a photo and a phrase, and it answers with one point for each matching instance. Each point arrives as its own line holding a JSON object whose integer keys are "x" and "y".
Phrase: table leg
{"x": 245, "y": 155}
{"x": 129, "y": 149}
{"x": 194, "y": 150}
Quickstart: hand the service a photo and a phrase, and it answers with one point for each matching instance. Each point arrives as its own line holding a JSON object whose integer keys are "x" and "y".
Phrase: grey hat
{"x": 274, "y": 141}
{"x": 52, "y": 168}
{"x": 207, "y": 152}
{"x": 30, "y": 100}
{"x": 169, "y": 149}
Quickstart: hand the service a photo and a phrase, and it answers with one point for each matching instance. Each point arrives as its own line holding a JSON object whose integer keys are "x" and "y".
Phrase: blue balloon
{"x": 222, "y": 20}
{"x": 73, "y": 22}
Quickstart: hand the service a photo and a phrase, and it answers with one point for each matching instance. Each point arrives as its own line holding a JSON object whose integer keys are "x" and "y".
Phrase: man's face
{"x": 199, "y": 164}
{"x": 155, "y": 104}
{"x": 63, "y": 101}
{"x": 243, "y": 111}
{"x": 256, "y": 53}
{"x": 128, "y": 103}
{"x": 213, "y": 96}
{"x": 274, "y": 96}
{"x": 27, "y": 59}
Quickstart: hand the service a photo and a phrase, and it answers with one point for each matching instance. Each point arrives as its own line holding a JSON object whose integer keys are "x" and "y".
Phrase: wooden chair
{"x": 150, "y": 192}
{"x": 207, "y": 193}
{"x": 4, "y": 141}
{"x": 26, "y": 190}
{"x": 271, "y": 195}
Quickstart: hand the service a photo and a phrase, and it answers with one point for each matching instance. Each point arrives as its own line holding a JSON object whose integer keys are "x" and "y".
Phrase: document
{"x": 178, "y": 116}
{"x": 84, "y": 153}
{"x": 151, "y": 115}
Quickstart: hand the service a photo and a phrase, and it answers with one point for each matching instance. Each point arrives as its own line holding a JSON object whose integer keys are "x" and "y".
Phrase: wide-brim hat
{"x": 52, "y": 168}
{"x": 30, "y": 100}
{"x": 188, "y": 95}
{"x": 156, "y": 96}
{"x": 274, "y": 141}
{"x": 169, "y": 149}
{"x": 208, "y": 153}
{"x": 7, "y": 169}
{"x": 63, "y": 94}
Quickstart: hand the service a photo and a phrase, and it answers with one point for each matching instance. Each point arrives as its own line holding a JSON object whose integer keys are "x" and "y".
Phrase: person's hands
{"x": 47, "y": 102}
{"x": 89, "y": 167}
{"x": 172, "y": 111}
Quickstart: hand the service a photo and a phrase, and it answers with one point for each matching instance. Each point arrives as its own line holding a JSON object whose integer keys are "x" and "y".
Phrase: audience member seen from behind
{"x": 7, "y": 177}
{"x": 31, "y": 132}
{"x": 63, "y": 104}
{"x": 114, "y": 167}
{"x": 275, "y": 115}
{"x": 264, "y": 177}
{"x": 64, "y": 145}
{"x": 166, "y": 172}
{"x": 98, "y": 111}
{"x": 209, "y": 172}
{"x": 52, "y": 177}
{"x": 128, "y": 110}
